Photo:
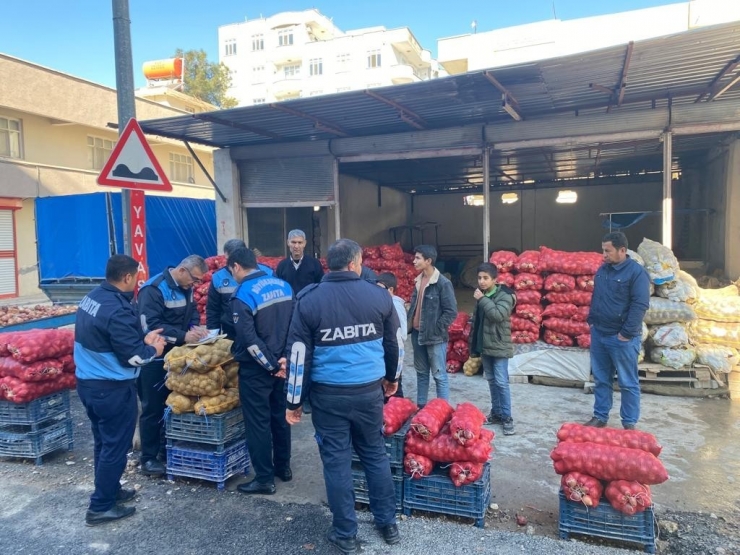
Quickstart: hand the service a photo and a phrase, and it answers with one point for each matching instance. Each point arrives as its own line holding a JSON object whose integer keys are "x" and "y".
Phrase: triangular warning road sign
{"x": 132, "y": 164}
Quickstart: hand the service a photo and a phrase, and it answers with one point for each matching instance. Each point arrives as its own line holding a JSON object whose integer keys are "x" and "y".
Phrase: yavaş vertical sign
{"x": 138, "y": 235}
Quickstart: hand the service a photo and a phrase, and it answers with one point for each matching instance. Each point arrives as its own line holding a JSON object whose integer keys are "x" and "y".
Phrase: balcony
{"x": 405, "y": 42}
{"x": 281, "y": 55}
{"x": 287, "y": 87}
{"x": 401, "y": 74}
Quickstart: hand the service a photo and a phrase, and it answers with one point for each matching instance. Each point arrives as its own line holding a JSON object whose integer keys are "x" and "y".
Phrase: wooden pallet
{"x": 698, "y": 376}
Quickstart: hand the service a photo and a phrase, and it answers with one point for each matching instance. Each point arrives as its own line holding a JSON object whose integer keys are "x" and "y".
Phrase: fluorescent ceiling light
{"x": 474, "y": 200}
{"x": 567, "y": 197}
{"x": 316, "y": 208}
{"x": 509, "y": 198}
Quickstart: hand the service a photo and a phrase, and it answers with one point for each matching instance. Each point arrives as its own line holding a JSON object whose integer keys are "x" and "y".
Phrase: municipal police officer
{"x": 262, "y": 307}
{"x": 223, "y": 285}
{"x": 165, "y": 302}
{"x": 110, "y": 347}
{"x": 343, "y": 346}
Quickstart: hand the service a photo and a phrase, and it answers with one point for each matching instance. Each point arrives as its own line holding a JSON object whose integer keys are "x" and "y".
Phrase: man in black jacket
{"x": 344, "y": 351}
{"x": 165, "y": 302}
{"x": 110, "y": 347}
{"x": 299, "y": 269}
{"x": 262, "y": 307}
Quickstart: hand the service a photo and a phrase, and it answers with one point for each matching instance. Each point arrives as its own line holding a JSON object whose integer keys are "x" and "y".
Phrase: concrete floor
{"x": 700, "y": 438}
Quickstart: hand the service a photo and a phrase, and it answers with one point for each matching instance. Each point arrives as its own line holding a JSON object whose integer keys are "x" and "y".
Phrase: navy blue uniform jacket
{"x": 344, "y": 332}
{"x": 109, "y": 341}
{"x": 218, "y": 308}
{"x": 621, "y": 298}
{"x": 261, "y": 310}
{"x": 166, "y": 305}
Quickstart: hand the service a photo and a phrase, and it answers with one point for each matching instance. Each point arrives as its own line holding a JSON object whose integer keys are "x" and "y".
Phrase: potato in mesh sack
{"x": 218, "y": 404}
{"x": 232, "y": 374}
{"x": 472, "y": 366}
{"x": 180, "y": 404}
{"x": 200, "y": 358}
{"x": 195, "y": 384}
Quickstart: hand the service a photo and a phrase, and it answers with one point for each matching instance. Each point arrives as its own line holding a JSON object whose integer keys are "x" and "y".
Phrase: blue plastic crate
{"x": 393, "y": 446}
{"x": 21, "y": 441}
{"x": 606, "y": 522}
{"x": 192, "y": 460}
{"x": 361, "y": 490}
{"x": 437, "y": 494}
{"x": 215, "y": 429}
{"x": 35, "y": 411}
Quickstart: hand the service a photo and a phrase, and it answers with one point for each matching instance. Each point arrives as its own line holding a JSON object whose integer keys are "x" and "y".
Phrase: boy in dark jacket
{"x": 491, "y": 339}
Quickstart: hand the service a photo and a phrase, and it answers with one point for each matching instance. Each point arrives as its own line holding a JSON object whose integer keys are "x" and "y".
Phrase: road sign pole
{"x": 126, "y": 98}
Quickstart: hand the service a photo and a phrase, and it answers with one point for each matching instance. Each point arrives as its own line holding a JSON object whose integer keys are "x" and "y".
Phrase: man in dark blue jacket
{"x": 222, "y": 288}
{"x": 344, "y": 351}
{"x": 621, "y": 298}
{"x": 165, "y": 302}
{"x": 261, "y": 310}
{"x": 110, "y": 347}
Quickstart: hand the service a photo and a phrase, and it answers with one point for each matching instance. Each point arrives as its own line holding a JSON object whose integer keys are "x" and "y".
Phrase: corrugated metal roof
{"x": 682, "y": 65}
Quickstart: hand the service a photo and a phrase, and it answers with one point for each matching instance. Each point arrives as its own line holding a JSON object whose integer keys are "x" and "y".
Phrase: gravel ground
{"x": 42, "y": 510}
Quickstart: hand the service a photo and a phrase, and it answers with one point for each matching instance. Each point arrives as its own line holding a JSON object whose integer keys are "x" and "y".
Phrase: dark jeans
{"x": 153, "y": 394}
{"x": 263, "y": 400}
{"x": 111, "y": 408}
{"x": 344, "y": 416}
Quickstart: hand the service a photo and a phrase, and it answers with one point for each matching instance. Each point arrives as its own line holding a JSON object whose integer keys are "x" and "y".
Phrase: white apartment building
{"x": 299, "y": 54}
{"x": 555, "y": 37}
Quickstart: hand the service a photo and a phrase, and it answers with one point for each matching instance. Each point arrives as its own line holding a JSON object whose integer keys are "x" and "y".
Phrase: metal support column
{"x": 486, "y": 204}
{"x": 337, "y": 219}
{"x": 667, "y": 189}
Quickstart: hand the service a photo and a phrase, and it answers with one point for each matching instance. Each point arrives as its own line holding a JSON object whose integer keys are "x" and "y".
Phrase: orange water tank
{"x": 163, "y": 69}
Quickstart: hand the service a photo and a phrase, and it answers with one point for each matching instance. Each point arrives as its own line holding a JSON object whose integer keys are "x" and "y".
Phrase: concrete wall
{"x": 536, "y": 219}
{"x": 362, "y": 220}
{"x": 27, "y": 260}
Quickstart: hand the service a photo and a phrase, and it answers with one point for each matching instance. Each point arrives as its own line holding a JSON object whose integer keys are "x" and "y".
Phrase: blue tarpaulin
{"x": 74, "y": 238}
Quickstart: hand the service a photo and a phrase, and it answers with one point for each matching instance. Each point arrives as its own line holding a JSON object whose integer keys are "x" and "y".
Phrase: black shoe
{"x": 286, "y": 474}
{"x": 509, "y": 427}
{"x": 348, "y": 546}
{"x": 596, "y": 423}
{"x": 494, "y": 419}
{"x": 125, "y": 495}
{"x": 390, "y": 534}
{"x": 153, "y": 468}
{"x": 255, "y": 487}
{"x": 629, "y": 426}
{"x": 93, "y": 518}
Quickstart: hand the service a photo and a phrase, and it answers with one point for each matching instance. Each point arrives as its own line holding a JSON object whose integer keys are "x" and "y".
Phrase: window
{"x": 258, "y": 101}
{"x": 292, "y": 70}
{"x": 10, "y": 138}
{"x": 343, "y": 89}
{"x": 258, "y": 74}
{"x": 374, "y": 85}
{"x": 258, "y": 42}
{"x": 316, "y": 66}
{"x": 230, "y": 47}
{"x": 315, "y": 93}
{"x": 373, "y": 59}
{"x": 285, "y": 37}
{"x": 181, "y": 168}
{"x": 98, "y": 151}
{"x": 343, "y": 61}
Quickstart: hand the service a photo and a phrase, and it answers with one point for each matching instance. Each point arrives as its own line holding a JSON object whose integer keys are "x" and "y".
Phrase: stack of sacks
{"x": 391, "y": 258}
{"x": 716, "y": 331}
{"x": 520, "y": 274}
{"x": 620, "y": 464}
{"x": 36, "y": 363}
{"x": 455, "y": 438}
{"x": 569, "y": 287}
{"x": 458, "y": 350}
{"x": 670, "y": 308}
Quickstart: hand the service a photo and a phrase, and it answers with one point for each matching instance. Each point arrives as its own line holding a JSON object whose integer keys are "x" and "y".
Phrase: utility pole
{"x": 125, "y": 93}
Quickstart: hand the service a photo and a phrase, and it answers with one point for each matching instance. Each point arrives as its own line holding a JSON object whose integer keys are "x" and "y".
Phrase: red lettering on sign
{"x": 138, "y": 241}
